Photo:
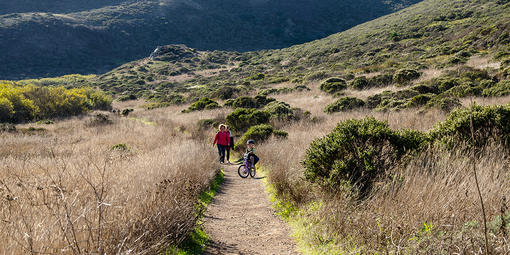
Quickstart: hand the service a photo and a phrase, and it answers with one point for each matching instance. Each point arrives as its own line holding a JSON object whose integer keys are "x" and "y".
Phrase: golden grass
{"x": 66, "y": 190}
{"x": 430, "y": 208}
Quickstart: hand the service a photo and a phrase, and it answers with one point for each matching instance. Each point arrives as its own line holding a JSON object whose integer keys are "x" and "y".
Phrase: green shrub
{"x": 444, "y": 103}
{"x": 280, "y": 134}
{"x": 356, "y": 152}
{"x": 502, "y": 88}
{"x": 360, "y": 83}
{"x": 333, "y": 85}
{"x": 489, "y": 123}
{"x": 244, "y": 102}
{"x": 256, "y": 77}
{"x": 380, "y": 80}
{"x": 119, "y": 147}
{"x": 126, "y": 98}
{"x": 426, "y": 89}
{"x": 467, "y": 88}
{"x": 280, "y": 111}
{"x": 229, "y": 102}
{"x": 404, "y": 76}
{"x": 446, "y": 84}
{"x": 30, "y": 102}
{"x": 259, "y": 133}
{"x": 419, "y": 100}
{"x": 225, "y": 92}
{"x": 242, "y": 118}
{"x": 202, "y": 104}
{"x": 252, "y": 102}
{"x": 127, "y": 111}
{"x": 344, "y": 104}
{"x": 263, "y": 100}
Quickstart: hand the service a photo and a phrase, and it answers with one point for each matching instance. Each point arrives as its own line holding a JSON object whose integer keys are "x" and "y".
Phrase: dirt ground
{"x": 241, "y": 219}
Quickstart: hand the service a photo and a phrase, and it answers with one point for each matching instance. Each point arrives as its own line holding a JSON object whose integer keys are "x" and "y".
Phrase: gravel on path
{"x": 241, "y": 219}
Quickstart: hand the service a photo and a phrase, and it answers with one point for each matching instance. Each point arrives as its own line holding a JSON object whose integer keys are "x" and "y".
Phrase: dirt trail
{"x": 241, "y": 219}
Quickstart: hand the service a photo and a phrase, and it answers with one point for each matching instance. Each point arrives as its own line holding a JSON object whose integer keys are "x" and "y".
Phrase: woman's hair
{"x": 221, "y": 125}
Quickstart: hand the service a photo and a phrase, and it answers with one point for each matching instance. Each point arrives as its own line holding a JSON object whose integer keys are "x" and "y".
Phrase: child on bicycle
{"x": 250, "y": 150}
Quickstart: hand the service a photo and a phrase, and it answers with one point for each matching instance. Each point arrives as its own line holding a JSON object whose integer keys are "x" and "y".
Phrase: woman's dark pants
{"x": 221, "y": 152}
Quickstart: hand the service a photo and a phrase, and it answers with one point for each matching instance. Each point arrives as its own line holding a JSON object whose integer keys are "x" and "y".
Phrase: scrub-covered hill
{"x": 40, "y": 39}
{"x": 439, "y": 46}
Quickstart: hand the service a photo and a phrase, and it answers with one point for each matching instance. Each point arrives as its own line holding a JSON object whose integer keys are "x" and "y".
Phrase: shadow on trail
{"x": 217, "y": 248}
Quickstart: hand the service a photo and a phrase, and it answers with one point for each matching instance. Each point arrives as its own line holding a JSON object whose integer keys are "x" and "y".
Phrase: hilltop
{"x": 42, "y": 39}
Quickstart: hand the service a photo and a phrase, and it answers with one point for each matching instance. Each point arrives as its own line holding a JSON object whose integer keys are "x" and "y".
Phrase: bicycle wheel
{"x": 252, "y": 172}
{"x": 242, "y": 171}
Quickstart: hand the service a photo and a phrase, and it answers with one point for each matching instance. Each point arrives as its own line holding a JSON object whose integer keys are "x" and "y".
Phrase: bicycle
{"x": 247, "y": 167}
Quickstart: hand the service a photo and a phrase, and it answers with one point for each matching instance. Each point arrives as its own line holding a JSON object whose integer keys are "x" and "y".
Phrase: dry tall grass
{"x": 431, "y": 207}
{"x": 69, "y": 190}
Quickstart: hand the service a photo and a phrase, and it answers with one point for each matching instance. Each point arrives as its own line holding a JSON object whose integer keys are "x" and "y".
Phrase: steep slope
{"x": 54, "y": 39}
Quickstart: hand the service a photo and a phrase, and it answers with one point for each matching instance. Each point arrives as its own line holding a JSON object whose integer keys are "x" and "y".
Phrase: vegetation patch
{"x": 242, "y": 118}
{"x": 344, "y": 104}
{"x": 356, "y": 153}
{"x": 204, "y": 103}
{"x": 490, "y": 123}
{"x": 29, "y": 102}
{"x": 333, "y": 85}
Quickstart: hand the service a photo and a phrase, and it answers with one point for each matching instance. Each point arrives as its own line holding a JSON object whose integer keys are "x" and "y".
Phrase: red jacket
{"x": 222, "y": 138}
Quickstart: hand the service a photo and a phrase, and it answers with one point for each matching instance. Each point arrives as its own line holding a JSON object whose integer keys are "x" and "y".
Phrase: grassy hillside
{"x": 434, "y": 44}
{"x": 94, "y": 37}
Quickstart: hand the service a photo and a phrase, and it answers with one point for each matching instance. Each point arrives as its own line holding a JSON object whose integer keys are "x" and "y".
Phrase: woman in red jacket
{"x": 222, "y": 139}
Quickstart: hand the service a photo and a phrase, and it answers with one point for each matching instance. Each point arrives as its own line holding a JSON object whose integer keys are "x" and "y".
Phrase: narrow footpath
{"x": 241, "y": 219}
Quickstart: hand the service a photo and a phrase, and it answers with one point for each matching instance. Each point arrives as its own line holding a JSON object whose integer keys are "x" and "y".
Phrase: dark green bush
{"x": 244, "y": 102}
{"x": 125, "y": 112}
{"x": 225, "y": 92}
{"x": 426, "y": 89}
{"x": 120, "y": 147}
{"x": 380, "y": 80}
{"x": 280, "y": 134}
{"x": 281, "y": 111}
{"x": 489, "y": 123}
{"x": 263, "y": 100}
{"x": 356, "y": 152}
{"x": 229, "y": 102}
{"x": 242, "y": 118}
{"x": 467, "y": 88}
{"x": 444, "y": 103}
{"x": 333, "y": 85}
{"x": 344, "y": 104}
{"x": 359, "y": 83}
{"x": 419, "y": 100}
{"x": 446, "y": 84}
{"x": 502, "y": 88}
{"x": 259, "y": 133}
{"x": 202, "y": 104}
{"x": 126, "y": 97}
{"x": 252, "y": 102}
{"x": 404, "y": 76}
